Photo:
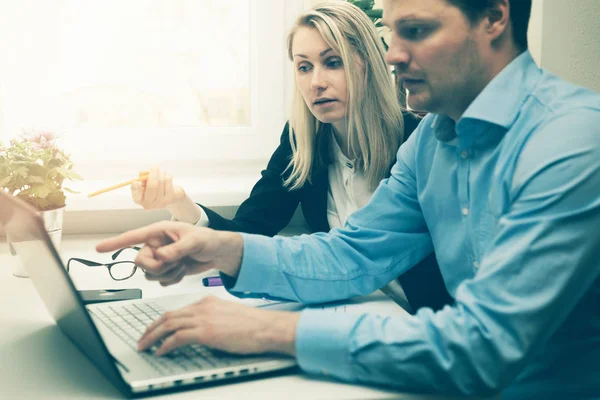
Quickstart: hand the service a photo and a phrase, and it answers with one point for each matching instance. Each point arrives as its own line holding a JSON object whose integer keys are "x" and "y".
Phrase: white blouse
{"x": 348, "y": 188}
{"x": 348, "y": 191}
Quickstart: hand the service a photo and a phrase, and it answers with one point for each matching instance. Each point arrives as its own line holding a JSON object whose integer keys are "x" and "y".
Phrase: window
{"x": 129, "y": 84}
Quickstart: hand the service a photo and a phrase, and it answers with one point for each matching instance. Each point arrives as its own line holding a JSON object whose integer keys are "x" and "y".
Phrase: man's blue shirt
{"x": 509, "y": 199}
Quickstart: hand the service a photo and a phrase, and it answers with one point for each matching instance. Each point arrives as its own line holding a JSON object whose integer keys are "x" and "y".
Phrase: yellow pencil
{"x": 143, "y": 176}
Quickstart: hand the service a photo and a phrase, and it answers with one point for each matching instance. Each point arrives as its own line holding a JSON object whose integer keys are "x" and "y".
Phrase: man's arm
{"x": 353, "y": 261}
{"x": 543, "y": 260}
{"x": 347, "y": 262}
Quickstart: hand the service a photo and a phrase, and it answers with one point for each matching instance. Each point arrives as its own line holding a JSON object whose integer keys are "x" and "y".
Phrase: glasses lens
{"x": 122, "y": 270}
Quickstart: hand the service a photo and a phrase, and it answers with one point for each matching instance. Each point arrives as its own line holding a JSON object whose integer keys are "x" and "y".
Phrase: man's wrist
{"x": 279, "y": 335}
{"x": 232, "y": 249}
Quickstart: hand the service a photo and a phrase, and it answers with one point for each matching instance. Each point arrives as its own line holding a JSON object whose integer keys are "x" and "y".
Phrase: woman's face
{"x": 320, "y": 76}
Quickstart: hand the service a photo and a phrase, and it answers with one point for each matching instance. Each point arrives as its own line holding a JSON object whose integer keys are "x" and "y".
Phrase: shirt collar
{"x": 500, "y": 101}
{"x": 336, "y": 152}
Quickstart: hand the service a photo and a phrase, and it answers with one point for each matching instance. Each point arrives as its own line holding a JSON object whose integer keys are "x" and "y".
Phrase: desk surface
{"x": 38, "y": 361}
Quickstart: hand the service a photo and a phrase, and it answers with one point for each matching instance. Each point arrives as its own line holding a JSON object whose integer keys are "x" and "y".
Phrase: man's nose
{"x": 397, "y": 54}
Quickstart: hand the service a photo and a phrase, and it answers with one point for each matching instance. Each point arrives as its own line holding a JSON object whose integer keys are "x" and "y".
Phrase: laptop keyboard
{"x": 129, "y": 322}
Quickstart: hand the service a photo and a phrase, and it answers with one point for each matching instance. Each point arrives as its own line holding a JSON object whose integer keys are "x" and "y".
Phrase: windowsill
{"x": 222, "y": 188}
{"x": 210, "y": 191}
{"x": 115, "y": 211}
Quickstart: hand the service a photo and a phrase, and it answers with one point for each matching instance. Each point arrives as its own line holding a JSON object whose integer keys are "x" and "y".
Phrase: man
{"x": 500, "y": 179}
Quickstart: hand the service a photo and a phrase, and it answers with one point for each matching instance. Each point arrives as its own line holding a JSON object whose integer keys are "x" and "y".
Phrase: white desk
{"x": 38, "y": 361}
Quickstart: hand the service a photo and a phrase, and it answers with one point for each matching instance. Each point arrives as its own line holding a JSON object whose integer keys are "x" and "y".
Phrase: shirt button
{"x": 349, "y": 165}
{"x": 464, "y": 154}
{"x": 475, "y": 264}
{"x": 465, "y": 211}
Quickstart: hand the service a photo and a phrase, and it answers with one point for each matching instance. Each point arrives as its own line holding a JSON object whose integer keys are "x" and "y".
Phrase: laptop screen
{"x": 26, "y": 233}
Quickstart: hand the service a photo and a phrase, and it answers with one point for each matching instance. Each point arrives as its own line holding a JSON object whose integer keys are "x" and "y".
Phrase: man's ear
{"x": 497, "y": 19}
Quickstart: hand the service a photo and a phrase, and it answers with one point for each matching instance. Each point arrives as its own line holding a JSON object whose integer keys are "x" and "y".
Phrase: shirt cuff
{"x": 323, "y": 341}
{"x": 204, "y": 221}
{"x": 259, "y": 267}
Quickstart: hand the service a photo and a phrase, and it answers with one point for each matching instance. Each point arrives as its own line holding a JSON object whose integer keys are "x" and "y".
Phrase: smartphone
{"x": 104, "y": 295}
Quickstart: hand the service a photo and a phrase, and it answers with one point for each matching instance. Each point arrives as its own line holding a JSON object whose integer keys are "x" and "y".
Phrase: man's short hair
{"x": 520, "y": 11}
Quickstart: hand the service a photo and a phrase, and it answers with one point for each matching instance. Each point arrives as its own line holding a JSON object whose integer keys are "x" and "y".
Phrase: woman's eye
{"x": 334, "y": 63}
{"x": 303, "y": 68}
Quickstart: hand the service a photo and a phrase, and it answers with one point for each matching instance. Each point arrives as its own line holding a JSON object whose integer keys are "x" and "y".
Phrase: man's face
{"x": 437, "y": 54}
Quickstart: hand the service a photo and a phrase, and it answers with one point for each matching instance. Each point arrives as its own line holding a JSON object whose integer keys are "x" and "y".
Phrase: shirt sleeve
{"x": 511, "y": 308}
{"x": 347, "y": 262}
{"x": 202, "y": 222}
{"x": 271, "y": 205}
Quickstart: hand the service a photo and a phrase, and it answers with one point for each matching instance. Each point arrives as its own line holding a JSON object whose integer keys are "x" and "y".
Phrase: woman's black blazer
{"x": 271, "y": 206}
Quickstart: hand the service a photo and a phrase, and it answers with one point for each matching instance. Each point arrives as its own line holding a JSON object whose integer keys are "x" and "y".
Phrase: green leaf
{"x": 56, "y": 199}
{"x": 40, "y": 191}
{"x": 31, "y": 179}
{"x": 374, "y": 13}
{"x": 70, "y": 190}
{"x": 40, "y": 204}
{"x": 68, "y": 174}
{"x": 363, "y": 4}
{"x": 22, "y": 171}
{"x": 75, "y": 176}
{"x": 4, "y": 181}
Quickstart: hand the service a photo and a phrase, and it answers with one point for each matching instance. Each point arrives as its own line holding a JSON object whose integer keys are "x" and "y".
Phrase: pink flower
{"x": 47, "y": 145}
{"x": 49, "y": 136}
{"x": 31, "y": 137}
{"x": 45, "y": 139}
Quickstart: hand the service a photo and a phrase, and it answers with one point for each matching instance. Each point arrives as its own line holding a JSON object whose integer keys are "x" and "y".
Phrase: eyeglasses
{"x": 118, "y": 270}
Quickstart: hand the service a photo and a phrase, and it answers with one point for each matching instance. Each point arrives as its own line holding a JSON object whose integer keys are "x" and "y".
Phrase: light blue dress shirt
{"x": 509, "y": 199}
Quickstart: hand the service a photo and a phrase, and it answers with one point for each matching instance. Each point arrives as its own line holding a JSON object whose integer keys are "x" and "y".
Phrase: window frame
{"x": 220, "y": 150}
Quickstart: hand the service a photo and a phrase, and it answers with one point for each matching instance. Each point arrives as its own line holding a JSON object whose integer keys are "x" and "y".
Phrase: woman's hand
{"x": 223, "y": 325}
{"x": 159, "y": 192}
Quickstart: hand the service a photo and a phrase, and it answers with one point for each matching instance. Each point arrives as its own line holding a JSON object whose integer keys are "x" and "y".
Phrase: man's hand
{"x": 175, "y": 249}
{"x": 224, "y": 325}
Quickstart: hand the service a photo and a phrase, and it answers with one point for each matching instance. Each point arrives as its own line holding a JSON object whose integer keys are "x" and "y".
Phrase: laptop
{"x": 107, "y": 333}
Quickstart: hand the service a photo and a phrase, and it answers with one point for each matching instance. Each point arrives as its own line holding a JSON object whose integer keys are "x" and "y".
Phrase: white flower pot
{"x": 53, "y": 222}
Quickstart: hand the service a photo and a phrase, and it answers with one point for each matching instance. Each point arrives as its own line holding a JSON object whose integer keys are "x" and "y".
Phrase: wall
{"x": 1, "y": 113}
{"x": 570, "y": 43}
{"x": 534, "y": 36}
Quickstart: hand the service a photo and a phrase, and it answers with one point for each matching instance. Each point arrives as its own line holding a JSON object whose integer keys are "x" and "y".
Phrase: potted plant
{"x": 34, "y": 169}
{"x": 375, "y": 14}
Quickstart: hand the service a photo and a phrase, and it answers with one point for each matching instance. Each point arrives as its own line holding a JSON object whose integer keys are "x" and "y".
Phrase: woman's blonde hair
{"x": 374, "y": 117}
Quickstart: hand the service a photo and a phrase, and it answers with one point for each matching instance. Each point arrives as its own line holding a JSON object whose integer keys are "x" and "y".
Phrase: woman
{"x": 339, "y": 143}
